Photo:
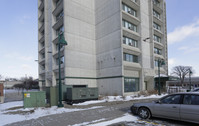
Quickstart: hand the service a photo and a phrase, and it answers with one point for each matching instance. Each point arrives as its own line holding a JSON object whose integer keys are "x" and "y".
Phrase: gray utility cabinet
{"x": 34, "y": 99}
{"x": 82, "y": 94}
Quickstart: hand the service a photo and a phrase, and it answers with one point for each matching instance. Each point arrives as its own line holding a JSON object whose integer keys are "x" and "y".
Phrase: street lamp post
{"x": 190, "y": 72}
{"x": 61, "y": 41}
{"x": 160, "y": 63}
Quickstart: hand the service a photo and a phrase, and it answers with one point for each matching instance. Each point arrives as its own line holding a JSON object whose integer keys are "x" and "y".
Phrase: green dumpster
{"x": 34, "y": 99}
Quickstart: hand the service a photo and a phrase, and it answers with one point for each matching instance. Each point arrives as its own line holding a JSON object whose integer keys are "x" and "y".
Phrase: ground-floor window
{"x": 131, "y": 84}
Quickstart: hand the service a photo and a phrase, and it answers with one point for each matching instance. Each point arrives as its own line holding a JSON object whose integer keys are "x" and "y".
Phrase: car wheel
{"x": 144, "y": 113}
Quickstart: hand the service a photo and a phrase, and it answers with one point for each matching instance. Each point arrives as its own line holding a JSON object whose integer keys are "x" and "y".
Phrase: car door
{"x": 189, "y": 110}
{"x": 168, "y": 107}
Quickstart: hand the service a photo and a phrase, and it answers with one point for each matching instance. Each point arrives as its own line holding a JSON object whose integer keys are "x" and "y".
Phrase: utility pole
{"x": 63, "y": 42}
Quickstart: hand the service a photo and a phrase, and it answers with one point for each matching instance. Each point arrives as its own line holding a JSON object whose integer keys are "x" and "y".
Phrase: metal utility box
{"x": 52, "y": 96}
{"x": 34, "y": 99}
{"x": 64, "y": 91}
{"x": 81, "y": 94}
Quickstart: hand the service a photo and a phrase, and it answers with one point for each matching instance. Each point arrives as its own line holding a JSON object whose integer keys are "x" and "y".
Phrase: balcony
{"x": 41, "y": 7}
{"x": 131, "y": 66}
{"x": 56, "y": 40}
{"x": 131, "y": 50}
{"x": 58, "y": 8}
{"x": 56, "y": 68}
{"x": 157, "y": 56}
{"x": 130, "y": 17}
{"x": 41, "y": 29}
{"x": 42, "y": 50}
{"x": 158, "y": 32}
{"x": 42, "y": 61}
{"x": 157, "y": 20}
{"x": 158, "y": 7}
{"x": 42, "y": 39}
{"x": 58, "y": 24}
{"x": 128, "y": 31}
{"x": 158, "y": 45}
{"x": 41, "y": 18}
{"x": 55, "y": 54}
{"x": 41, "y": 71}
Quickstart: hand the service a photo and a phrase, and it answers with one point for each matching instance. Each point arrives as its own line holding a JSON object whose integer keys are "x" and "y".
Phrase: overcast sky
{"x": 19, "y": 40}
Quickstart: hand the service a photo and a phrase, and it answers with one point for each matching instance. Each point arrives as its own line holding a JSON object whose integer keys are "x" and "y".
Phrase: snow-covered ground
{"x": 31, "y": 113}
{"x": 39, "y": 112}
{"x": 120, "y": 98}
{"x": 127, "y": 117}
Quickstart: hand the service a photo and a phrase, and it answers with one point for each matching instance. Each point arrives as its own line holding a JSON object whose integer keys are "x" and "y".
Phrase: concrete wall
{"x": 80, "y": 53}
{"x": 94, "y": 54}
{"x": 108, "y": 46}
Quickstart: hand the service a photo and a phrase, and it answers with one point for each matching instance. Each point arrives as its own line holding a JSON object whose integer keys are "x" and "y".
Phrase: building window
{"x": 156, "y": 38}
{"x": 60, "y": 15}
{"x": 129, "y": 25}
{"x": 57, "y": 2}
{"x": 42, "y": 44}
{"x": 60, "y": 30}
{"x": 135, "y": 1}
{"x": 156, "y": 2}
{"x": 131, "y": 84}
{"x": 156, "y": 26}
{"x": 130, "y": 58}
{"x": 156, "y": 14}
{"x": 57, "y": 46}
{"x": 129, "y": 10}
{"x": 43, "y": 66}
{"x": 157, "y": 51}
{"x": 61, "y": 60}
{"x": 43, "y": 55}
{"x": 129, "y": 41}
{"x": 156, "y": 63}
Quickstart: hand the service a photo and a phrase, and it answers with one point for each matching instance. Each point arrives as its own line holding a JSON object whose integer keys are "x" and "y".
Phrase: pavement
{"x": 109, "y": 111}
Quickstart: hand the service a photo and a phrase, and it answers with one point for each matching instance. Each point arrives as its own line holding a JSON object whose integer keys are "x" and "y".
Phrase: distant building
{"x": 114, "y": 45}
{"x": 194, "y": 81}
{"x": 10, "y": 84}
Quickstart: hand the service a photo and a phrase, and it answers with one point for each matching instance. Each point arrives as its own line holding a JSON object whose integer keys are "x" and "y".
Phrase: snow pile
{"x": 126, "y": 118}
{"x": 120, "y": 98}
{"x": 87, "y": 123}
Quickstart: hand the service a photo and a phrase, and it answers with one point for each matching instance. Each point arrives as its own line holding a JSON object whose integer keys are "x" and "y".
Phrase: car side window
{"x": 187, "y": 99}
{"x": 172, "y": 99}
{"x": 191, "y": 99}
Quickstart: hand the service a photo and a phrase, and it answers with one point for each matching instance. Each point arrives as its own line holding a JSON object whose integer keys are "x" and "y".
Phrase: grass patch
{"x": 20, "y": 112}
{"x": 14, "y": 108}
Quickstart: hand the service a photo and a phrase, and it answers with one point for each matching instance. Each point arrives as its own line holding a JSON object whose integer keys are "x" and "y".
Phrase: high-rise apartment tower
{"x": 114, "y": 45}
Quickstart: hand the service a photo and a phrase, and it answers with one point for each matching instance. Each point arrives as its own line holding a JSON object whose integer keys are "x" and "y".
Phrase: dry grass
{"x": 151, "y": 92}
{"x": 20, "y": 112}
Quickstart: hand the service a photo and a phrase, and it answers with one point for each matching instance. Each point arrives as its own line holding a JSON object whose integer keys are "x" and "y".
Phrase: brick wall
{"x": 1, "y": 89}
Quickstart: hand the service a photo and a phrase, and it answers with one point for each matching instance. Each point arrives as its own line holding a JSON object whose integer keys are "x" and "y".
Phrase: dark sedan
{"x": 180, "y": 106}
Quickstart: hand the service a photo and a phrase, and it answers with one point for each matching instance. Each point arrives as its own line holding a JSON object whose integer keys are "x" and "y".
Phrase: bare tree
{"x": 182, "y": 72}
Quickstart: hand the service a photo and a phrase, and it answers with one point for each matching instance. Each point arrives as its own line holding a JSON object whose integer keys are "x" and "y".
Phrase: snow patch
{"x": 119, "y": 98}
{"x": 127, "y": 117}
{"x": 38, "y": 112}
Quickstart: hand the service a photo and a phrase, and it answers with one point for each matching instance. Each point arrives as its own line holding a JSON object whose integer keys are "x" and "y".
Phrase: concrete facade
{"x": 105, "y": 43}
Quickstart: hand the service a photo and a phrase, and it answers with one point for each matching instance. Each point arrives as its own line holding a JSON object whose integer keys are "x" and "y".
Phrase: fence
{"x": 175, "y": 89}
